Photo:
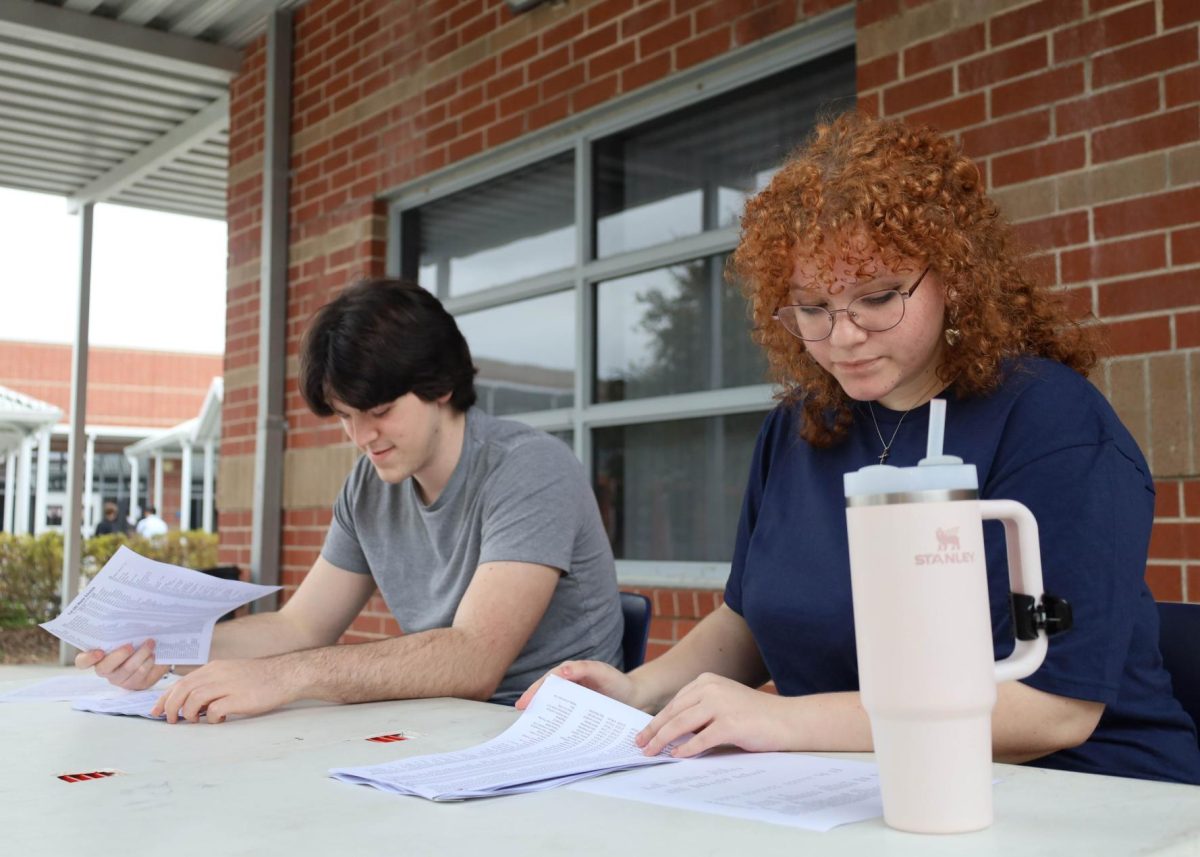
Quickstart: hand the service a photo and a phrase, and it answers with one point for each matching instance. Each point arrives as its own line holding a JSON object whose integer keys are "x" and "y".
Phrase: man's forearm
{"x": 438, "y": 662}
{"x": 259, "y": 636}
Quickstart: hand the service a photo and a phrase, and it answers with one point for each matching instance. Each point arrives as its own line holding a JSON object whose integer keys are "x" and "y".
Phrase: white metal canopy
{"x": 21, "y": 416}
{"x": 24, "y": 421}
{"x": 201, "y": 433}
{"x": 199, "y": 430}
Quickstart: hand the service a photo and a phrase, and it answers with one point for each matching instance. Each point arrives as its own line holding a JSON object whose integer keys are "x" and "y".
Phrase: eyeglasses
{"x": 875, "y": 312}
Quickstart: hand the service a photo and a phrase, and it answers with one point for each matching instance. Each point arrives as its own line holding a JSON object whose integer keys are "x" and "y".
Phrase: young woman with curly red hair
{"x": 880, "y": 275}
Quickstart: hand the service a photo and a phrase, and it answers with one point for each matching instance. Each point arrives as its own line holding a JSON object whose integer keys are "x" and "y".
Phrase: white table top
{"x": 259, "y": 786}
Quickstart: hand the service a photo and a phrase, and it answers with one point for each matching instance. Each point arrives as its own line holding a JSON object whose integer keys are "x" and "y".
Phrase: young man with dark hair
{"x": 481, "y": 534}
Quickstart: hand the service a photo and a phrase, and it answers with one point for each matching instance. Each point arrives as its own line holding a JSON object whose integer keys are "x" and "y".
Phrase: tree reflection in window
{"x": 673, "y": 330}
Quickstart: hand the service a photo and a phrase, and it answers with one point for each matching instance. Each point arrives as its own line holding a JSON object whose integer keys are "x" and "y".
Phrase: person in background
{"x": 481, "y": 534}
{"x": 151, "y": 524}
{"x": 880, "y": 275}
{"x": 111, "y": 523}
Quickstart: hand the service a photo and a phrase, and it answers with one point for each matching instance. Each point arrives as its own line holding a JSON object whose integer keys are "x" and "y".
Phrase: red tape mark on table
{"x": 388, "y": 739}
{"x": 85, "y": 777}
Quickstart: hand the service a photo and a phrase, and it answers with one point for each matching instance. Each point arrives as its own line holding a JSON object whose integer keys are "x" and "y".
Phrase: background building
{"x": 568, "y": 180}
{"x": 134, "y": 397}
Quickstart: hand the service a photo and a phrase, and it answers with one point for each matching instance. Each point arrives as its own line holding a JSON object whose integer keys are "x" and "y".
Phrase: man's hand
{"x": 722, "y": 711}
{"x": 224, "y": 688}
{"x": 594, "y": 675}
{"x": 124, "y": 666}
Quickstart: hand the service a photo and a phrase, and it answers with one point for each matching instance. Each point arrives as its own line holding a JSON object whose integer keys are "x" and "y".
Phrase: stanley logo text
{"x": 948, "y": 552}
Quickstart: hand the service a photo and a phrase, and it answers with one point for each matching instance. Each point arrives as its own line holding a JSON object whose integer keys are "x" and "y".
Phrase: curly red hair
{"x": 912, "y": 193}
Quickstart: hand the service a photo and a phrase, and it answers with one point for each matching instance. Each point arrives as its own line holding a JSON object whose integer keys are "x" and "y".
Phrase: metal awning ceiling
{"x": 122, "y": 101}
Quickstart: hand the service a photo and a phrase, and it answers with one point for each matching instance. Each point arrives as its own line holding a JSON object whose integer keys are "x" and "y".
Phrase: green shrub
{"x": 13, "y": 616}
{"x": 31, "y": 567}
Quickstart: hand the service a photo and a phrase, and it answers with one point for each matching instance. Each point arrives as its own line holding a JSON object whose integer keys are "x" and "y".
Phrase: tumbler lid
{"x": 934, "y": 472}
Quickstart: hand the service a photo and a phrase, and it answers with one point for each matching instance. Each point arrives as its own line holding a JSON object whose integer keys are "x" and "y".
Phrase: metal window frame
{"x": 741, "y": 67}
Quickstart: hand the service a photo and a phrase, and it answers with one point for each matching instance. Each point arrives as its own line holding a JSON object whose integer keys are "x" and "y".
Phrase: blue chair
{"x": 1179, "y": 641}
{"x": 636, "y": 610}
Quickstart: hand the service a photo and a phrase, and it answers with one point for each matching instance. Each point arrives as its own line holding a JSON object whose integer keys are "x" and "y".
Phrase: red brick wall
{"x": 244, "y": 224}
{"x": 1084, "y": 114}
{"x": 126, "y": 387}
{"x": 676, "y": 611}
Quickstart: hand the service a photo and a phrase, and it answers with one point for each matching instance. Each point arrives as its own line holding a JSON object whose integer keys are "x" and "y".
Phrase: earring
{"x": 952, "y": 334}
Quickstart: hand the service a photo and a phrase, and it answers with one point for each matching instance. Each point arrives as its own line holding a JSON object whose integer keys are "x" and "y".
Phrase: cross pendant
{"x": 884, "y": 457}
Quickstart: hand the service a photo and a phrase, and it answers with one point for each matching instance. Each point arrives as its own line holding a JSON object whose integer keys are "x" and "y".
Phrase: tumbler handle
{"x": 1024, "y": 576}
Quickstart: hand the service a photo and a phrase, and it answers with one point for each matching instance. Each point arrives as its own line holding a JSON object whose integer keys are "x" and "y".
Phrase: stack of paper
{"x": 567, "y": 733}
{"x": 570, "y": 733}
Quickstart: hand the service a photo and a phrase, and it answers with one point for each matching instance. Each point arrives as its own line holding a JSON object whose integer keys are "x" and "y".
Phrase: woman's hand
{"x": 594, "y": 675}
{"x": 722, "y": 711}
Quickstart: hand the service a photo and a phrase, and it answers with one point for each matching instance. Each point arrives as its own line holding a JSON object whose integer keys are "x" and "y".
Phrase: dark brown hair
{"x": 381, "y": 339}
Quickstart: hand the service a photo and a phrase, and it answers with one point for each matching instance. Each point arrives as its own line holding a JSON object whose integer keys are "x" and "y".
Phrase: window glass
{"x": 525, "y": 352}
{"x": 692, "y": 170}
{"x": 673, "y": 490}
{"x": 673, "y": 330}
{"x": 670, "y": 490}
{"x": 516, "y": 226}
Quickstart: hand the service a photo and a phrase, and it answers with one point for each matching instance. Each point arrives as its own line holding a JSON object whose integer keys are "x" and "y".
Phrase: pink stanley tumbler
{"x": 923, "y": 627}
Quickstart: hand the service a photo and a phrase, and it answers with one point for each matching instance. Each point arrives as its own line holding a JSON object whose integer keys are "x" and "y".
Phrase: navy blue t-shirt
{"x": 1046, "y": 438}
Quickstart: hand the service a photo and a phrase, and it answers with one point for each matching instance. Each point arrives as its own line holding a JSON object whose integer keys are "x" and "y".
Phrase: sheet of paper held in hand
{"x": 134, "y": 599}
{"x": 567, "y": 733}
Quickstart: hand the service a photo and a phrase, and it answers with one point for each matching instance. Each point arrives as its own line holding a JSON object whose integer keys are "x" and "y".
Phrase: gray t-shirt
{"x": 517, "y": 495}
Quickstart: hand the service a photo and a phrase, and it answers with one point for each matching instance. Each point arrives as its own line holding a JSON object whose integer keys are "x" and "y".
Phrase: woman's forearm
{"x": 720, "y": 644}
